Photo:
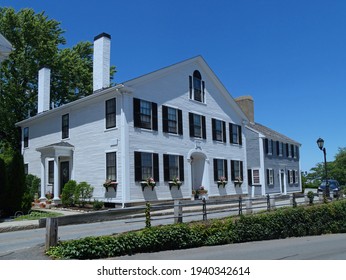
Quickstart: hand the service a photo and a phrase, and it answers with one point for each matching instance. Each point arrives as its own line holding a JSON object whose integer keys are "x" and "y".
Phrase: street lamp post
{"x": 320, "y": 144}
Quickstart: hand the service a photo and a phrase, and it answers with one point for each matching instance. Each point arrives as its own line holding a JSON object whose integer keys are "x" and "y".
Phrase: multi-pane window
{"x": 296, "y": 176}
{"x": 173, "y": 167}
{"x": 65, "y": 124}
{"x": 145, "y": 114}
{"x": 256, "y": 177}
{"x": 197, "y": 87}
{"x": 26, "y": 137}
{"x": 146, "y": 166}
{"x": 237, "y": 170}
{"x": 110, "y": 113}
{"x": 219, "y": 130}
{"x": 269, "y": 146}
{"x": 172, "y": 120}
{"x": 235, "y": 134}
{"x": 111, "y": 166}
{"x": 270, "y": 176}
{"x": 197, "y": 126}
{"x": 290, "y": 176}
{"x": 220, "y": 170}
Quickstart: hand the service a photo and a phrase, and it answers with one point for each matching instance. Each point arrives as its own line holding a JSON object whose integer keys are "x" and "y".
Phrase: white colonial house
{"x": 155, "y": 137}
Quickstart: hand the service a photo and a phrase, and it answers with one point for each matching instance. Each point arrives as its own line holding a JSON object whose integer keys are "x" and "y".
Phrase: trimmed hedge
{"x": 282, "y": 223}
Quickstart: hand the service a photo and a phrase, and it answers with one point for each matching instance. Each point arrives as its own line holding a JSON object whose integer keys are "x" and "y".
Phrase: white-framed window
{"x": 146, "y": 166}
{"x": 111, "y": 166}
{"x": 290, "y": 177}
{"x": 172, "y": 120}
{"x": 145, "y": 114}
{"x": 296, "y": 176}
{"x": 269, "y": 146}
{"x": 237, "y": 170}
{"x": 220, "y": 169}
{"x": 270, "y": 176}
{"x": 110, "y": 113}
{"x": 256, "y": 177}
{"x": 173, "y": 166}
{"x": 280, "y": 149}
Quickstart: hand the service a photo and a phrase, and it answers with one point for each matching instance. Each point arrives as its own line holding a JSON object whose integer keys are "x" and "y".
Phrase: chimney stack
{"x": 102, "y": 60}
{"x": 246, "y": 103}
{"x": 43, "y": 90}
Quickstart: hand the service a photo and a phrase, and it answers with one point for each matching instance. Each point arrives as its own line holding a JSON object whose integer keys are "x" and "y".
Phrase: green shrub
{"x": 282, "y": 223}
{"x": 68, "y": 191}
{"x": 97, "y": 205}
{"x": 83, "y": 193}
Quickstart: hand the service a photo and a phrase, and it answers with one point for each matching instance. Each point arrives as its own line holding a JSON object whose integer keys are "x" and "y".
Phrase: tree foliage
{"x": 37, "y": 42}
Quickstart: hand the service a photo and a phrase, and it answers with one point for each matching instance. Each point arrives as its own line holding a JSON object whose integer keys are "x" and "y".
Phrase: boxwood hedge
{"x": 282, "y": 223}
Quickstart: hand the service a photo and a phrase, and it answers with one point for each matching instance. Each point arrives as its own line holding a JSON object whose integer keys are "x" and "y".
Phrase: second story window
{"x": 197, "y": 126}
{"x": 26, "y": 137}
{"x": 172, "y": 120}
{"x": 197, "y": 87}
{"x": 235, "y": 134}
{"x": 110, "y": 113}
{"x": 65, "y": 124}
{"x": 145, "y": 114}
{"x": 219, "y": 130}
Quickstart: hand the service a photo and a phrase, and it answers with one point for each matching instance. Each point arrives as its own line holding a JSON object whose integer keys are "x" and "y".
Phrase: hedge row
{"x": 282, "y": 223}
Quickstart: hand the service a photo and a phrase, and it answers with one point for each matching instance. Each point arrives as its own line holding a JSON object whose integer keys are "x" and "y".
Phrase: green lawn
{"x": 36, "y": 215}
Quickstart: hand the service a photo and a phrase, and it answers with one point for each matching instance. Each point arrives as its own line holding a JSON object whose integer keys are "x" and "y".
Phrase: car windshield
{"x": 331, "y": 182}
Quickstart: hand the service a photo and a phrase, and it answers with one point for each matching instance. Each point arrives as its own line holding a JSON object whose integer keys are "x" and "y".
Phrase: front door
{"x": 64, "y": 173}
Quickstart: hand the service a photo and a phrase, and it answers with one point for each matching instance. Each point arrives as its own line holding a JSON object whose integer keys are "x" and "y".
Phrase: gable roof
{"x": 5, "y": 47}
{"x": 271, "y": 134}
{"x": 199, "y": 60}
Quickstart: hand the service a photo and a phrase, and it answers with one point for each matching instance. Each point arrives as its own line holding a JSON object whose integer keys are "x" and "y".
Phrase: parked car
{"x": 334, "y": 187}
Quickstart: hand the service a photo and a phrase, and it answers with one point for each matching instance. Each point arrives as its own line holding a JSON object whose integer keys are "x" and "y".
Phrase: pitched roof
{"x": 272, "y": 134}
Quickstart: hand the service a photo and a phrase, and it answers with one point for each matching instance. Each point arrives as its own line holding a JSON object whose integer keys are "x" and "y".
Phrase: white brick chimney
{"x": 43, "y": 90}
{"x": 102, "y": 61}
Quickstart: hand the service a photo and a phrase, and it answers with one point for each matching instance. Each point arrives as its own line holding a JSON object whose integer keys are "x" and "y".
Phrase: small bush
{"x": 97, "y": 205}
{"x": 67, "y": 195}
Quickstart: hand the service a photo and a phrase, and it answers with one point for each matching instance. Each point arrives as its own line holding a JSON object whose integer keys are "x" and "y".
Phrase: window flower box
{"x": 175, "y": 182}
{"x": 110, "y": 184}
{"x": 222, "y": 182}
{"x": 238, "y": 181}
{"x": 149, "y": 182}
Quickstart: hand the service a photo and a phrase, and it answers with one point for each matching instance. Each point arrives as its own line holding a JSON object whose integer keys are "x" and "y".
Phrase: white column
{"x": 56, "y": 179}
{"x": 43, "y": 177}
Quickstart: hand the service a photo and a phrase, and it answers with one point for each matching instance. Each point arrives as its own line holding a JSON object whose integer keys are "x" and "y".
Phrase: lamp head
{"x": 320, "y": 143}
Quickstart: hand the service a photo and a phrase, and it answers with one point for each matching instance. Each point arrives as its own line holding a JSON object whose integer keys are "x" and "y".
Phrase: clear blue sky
{"x": 290, "y": 55}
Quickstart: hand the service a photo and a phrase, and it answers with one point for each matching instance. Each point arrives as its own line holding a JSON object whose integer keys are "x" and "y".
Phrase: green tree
{"x": 36, "y": 41}
{"x": 339, "y": 166}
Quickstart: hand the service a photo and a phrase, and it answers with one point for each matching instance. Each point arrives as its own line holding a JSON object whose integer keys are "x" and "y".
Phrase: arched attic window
{"x": 197, "y": 87}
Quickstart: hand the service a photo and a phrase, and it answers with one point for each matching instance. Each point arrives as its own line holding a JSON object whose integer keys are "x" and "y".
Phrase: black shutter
{"x": 180, "y": 122}
{"x": 136, "y": 112}
{"x": 156, "y": 167}
{"x": 268, "y": 177}
{"x": 241, "y": 170}
{"x": 203, "y": 91}
{"x": 190, "y": 86}
{"x": 138, "y": 166}
{"x": 215, "y": 169}
{"x": 232, "y": 170}
{"x": 191, "y": 124}
{"x": 231, "y": 133}
{"x": 204, "y": 132}
{"x": 154, "y": 115}
{"x": 249, "y": 176}
{"x": 166, "y": 167}
{"x": 181, "y": 168}
{"x": 240, "y": 135}
{"x": 213, "y": 125}
{"x": 278, "y": 148}
{"x": 164, "y": 119}
{"x": 266, "y": 149}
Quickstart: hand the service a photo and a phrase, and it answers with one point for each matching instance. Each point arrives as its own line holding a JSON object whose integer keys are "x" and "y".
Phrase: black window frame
{"x": 141, "y": 113}
{"x": 139, "y": 168}
{"x": 220, "y": 165}
{"x": 240, "y": 169}
{"x": 218, "y": 130}
{"x": 167, "y": 121}
{"x": 26, "y": 137}
{"x": 168, "y": 168}
{"x": 111, "y": 166}
{"x": 110, "y": 113}
{"x": 194, "y": 128}
{"x": 65, "y": 126}
{"x": 235, "y": 134}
